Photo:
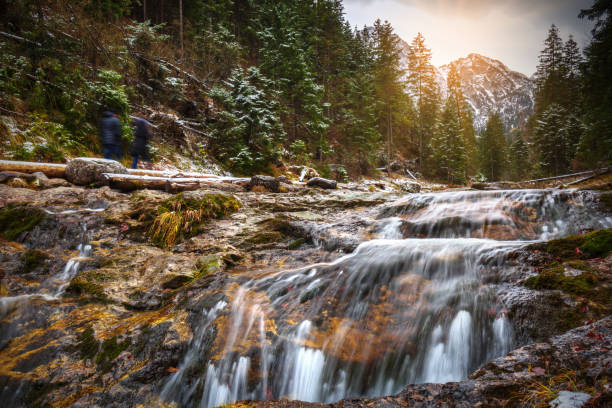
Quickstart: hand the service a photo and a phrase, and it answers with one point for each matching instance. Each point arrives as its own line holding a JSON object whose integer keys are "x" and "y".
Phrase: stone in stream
{"x": 268, "y": 183}
{"x": 568, "y": 399}
{"x": 411, "y": 187}
{"x": 84, "y": 171}
{"x": 322, "y": 183}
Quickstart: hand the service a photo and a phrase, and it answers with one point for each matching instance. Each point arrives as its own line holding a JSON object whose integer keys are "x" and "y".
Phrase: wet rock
{"x": 85, "y": 171}
{"x": 57, "y": 182}
{"x": 568, "y": 399}
{"x": 411, "y": 187}
{"x": 322, "y": 183}
{"x": 263, "y": 184}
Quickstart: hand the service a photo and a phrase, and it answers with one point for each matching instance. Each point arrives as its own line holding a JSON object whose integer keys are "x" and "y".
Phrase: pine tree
{"x": 596, "y": 143}
{"x": 549, "y": 72}
{"x": 284, "y": 59}
{"x": 249, "y": 132}
{"x": 518, "y": 157}
{"x": 448, "y": 156}
{"x": 387, "y": 78}
{"x": 424, "y": 90}
{"x": 465, "y": 118}
{"x": 553, "y": 144}
{"x": 492, "y": 149}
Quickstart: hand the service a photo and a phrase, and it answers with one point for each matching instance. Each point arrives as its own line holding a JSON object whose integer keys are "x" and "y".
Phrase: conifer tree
{"x": 596, "y": 142}
{"x": 424, "y": 90}
{"x": 387, "y": 78}
{"x": 553, "y": 144}
{"x": 518, "y": 157}
{"x": 448, "y": 156}
{"x": 549, "y": 74}
{"x": 492, "y": 149}
{"x": 466, "y": 120}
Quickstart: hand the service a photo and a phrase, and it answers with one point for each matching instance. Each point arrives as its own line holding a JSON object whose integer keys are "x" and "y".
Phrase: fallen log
{"x": 131, "y": 182}
{"x": 590, "y": 172}
{"x": 592, "y": 176}
{"x": 51, "y": 170}
{"x": 169, "y": 173}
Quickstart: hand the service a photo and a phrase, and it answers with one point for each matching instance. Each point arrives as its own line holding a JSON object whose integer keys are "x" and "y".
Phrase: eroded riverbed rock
{"x": 84, "y": 171}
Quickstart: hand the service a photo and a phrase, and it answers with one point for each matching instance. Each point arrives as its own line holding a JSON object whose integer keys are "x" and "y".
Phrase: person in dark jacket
{"x": 142, "y": 132}
{"x": 110, "y": 135}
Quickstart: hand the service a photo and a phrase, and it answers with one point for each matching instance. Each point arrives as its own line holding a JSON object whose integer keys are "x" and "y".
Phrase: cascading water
{"x": 412, "y": 306}
{"x": 50, "y": 289}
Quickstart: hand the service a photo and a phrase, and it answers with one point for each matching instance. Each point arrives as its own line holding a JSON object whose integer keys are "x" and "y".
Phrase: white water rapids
{"x": 414, "y": 305}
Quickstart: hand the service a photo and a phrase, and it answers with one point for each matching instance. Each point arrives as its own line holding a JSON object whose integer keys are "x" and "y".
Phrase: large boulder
{"x": 322, "y": 183}
{"x": 85, "y": 171}
{"x": 263, "y": 183}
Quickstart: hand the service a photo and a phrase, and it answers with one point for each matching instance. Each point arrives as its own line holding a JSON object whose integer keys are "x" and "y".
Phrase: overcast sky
{"x": 512, "y": 31}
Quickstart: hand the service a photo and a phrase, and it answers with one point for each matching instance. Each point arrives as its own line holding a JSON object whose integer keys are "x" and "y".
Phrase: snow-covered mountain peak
{"x": 490, "y": 86}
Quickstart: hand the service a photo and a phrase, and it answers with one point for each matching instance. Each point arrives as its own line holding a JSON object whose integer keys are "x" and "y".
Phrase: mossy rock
{"x": 109, "y": 352}
{"x": 32, "y": 259}
{"x": 555, "y": 279}
{"x": 88, "y": 346}
{"x": 597, "y": 243}
{"x": 206, "y": 265}
{"x": 184, "y": 216}
{"x": 15, "y": 220}
{"x": 85, "y": 287}
{"x": 296, "y": 244}
{"x": 591, "y": 245}
{"x": 606, "y": 200}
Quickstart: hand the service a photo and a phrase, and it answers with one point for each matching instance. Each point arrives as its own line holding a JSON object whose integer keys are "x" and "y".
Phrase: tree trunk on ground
{"x": 51, "y": 170}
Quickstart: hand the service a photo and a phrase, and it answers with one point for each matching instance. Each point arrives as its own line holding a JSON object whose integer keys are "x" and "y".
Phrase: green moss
{"x": 264, "y": 237}
{"x": 181, "y": 217}
{"x": 88, "y": 345}
{"x": 296, "y": 244}
{"x": 555, "y": 279}
{"x": 565, "y": 247}
{"x": 15, "y": 220}
{"x": 591, "y": 245}
{"x": 597, "y": 243}
{"x": 207, "y": 265}
{"x": 606, "y": 200}
{"x": 110, "y": 350}
{"x": 32, "y": 259}
{"x": 82, "y": 286}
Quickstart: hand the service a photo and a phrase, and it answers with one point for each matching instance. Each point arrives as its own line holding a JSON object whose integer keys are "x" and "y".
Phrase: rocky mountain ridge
{"x": 489, "y": 86}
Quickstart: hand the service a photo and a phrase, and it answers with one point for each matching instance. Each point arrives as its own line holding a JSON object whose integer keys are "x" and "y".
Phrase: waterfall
{"x": 412, "y": 305}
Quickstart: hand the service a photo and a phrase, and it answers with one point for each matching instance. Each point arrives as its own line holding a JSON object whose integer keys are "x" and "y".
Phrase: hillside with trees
{"x": 252, "y": 86}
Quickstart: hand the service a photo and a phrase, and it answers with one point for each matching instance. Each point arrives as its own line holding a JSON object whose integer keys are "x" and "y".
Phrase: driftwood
{"x": 167, "y": 173}
{"x": 595, "y": 172}
{"x": 56, "y": 170}
{"x": 130, "y": 182}
{"x": 51, "y": 170}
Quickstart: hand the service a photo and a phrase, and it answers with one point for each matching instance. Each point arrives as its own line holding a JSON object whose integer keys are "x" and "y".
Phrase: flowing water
{"x": 410, "y": 306}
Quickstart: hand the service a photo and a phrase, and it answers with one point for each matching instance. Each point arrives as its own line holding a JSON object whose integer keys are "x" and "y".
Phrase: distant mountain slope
{"x": 489, "y": 86}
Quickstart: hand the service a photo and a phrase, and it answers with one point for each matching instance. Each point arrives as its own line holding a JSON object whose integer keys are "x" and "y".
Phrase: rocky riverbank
{"x": 115, "y": 331}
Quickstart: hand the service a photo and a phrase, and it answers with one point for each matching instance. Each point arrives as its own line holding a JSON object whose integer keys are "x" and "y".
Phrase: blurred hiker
{"x": 110, "y": 135}
{"x": 142, "y": 132}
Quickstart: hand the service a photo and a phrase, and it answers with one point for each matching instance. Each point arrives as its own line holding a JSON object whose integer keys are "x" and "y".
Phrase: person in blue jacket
{"x": 110, "y": 135}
